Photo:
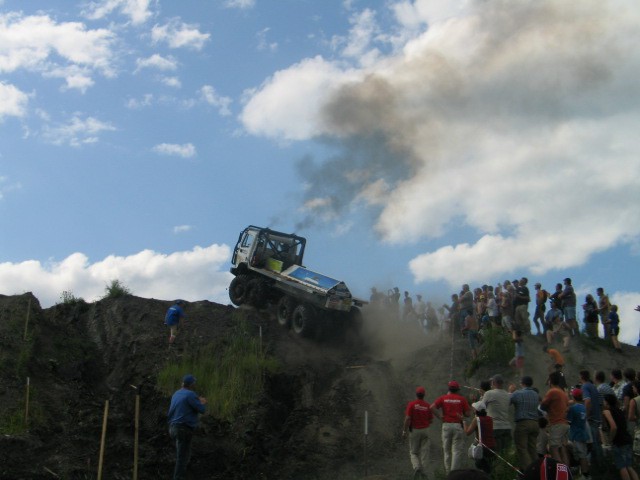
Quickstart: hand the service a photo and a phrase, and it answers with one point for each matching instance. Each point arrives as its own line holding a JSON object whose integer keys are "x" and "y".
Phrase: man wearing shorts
{"x": 556, "y": 403}
{"x": 568, "y": 297}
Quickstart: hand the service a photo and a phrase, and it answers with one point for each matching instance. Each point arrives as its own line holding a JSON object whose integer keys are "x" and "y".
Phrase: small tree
{"x": 116, "y": 289}
{"x": 68, "y": 298}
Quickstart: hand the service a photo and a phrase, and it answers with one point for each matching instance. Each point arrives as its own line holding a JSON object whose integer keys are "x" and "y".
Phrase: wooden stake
{"x": 135, "y": 435}
{"x": 102, "y": 439}
{"x": 26, "y": 405}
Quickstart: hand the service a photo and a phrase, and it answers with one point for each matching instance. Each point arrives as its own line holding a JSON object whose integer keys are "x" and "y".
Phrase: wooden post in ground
{"x": 102, "y": 438}
{"x": 136, "y": 434}
{"x": 26, "y": 405}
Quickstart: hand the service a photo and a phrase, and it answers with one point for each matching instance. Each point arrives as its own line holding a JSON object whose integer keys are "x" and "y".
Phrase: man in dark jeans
{"x": 183, "y": 419}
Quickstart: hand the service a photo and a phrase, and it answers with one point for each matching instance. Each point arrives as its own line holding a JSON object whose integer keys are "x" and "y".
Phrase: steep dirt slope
{"x": 308, "y": 423}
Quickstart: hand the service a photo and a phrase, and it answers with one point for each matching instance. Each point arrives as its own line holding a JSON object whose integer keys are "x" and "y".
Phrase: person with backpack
{"x": 173, "y": 318}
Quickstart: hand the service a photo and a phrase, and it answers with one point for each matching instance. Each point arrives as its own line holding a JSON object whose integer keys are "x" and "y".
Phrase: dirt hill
{"x": 308, "y": 423}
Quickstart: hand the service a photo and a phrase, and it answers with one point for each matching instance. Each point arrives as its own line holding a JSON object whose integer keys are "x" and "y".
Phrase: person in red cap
{"x": 454, "y": 407}
{"x": 418, "y": 417}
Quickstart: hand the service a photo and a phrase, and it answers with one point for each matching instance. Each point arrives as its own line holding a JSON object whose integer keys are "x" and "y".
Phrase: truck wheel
{"x": 239, "y": 289}
{"x": 303, "y": 320}
{"x": 257, "y": 293}
{"x": 284, "y": 311}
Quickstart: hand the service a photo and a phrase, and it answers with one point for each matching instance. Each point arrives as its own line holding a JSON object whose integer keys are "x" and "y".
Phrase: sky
{"x": 415, "y": 143}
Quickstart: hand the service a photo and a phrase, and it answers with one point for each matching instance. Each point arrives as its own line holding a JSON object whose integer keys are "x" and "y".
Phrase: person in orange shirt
{"x": 557, "y": 360}
{"x": 556, "y": 404}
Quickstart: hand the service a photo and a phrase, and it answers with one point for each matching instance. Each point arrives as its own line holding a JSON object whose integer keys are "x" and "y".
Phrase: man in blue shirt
{"x": 173, "y": 318}
{"x": 578, "y": 432}
{"x": 593, "y": 407}
{"x": 183, "y": 419}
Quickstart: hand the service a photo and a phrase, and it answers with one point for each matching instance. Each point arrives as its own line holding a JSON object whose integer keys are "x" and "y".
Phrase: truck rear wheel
{"x": 239, "y": 289}
{"x": 303, "y": 320}
{"x": 284, "y": 311}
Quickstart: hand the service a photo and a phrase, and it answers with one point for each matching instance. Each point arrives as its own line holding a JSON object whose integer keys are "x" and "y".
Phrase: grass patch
{"x": 230, "y": 377}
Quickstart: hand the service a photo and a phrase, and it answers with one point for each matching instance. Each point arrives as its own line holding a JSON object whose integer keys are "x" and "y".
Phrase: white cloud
{"x": 629, "y": 318}
{"x": 13, "y": 102}
{"x": 173, "y": 82}
{"x": 38, "y": 43}
{"x": 136, "y": 104}
{"x": 186, "y": 150}
{"x": 242, "y": 4}
{"x": 288, "y": 104}
{"x": 210, "y": 96}
{"x": 77, "y": 131}
{"x": 182, "y": 228}
{"x": 193, "y": 275}
{"x": 158, "y": 62}
{"x": 517, "y": 126}
{"x": 138, "y": 11}
{"x": 178, "y": 34}
{"x": 6, "y": 186}
{"x": 263, "y": 43}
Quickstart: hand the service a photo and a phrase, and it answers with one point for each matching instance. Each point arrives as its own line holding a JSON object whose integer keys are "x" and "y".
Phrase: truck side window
{"x": 247, "y": 240}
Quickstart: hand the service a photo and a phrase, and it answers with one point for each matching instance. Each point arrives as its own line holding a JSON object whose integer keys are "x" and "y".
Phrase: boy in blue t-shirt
{"x": 613, "y": 323}
{"x": 173, "y": 317}
{"x": 579, "y": 432}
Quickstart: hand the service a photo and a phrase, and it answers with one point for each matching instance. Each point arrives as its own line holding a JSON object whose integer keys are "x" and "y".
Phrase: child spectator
{"x": 613, "y": 325}
{"x": 578, "y": 432}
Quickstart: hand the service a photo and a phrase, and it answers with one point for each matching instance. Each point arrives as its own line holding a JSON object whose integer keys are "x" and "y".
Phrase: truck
{"x": 268, "y": 272}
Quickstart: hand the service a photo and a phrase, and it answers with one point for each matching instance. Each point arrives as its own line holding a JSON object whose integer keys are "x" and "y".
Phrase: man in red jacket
{"x": 417, "y": 419}
{"x": 454, "y": 407}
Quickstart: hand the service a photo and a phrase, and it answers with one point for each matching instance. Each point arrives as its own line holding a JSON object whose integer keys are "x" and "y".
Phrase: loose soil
{"x": 308, "y": 423}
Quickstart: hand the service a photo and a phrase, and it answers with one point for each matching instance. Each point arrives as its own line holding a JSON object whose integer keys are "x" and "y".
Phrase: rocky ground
{"x": 309, "y": 423}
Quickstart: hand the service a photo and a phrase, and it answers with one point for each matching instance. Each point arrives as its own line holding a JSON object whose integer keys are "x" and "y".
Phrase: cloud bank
{"x": 193, "y": 275}
{"x": 511, "y": 122}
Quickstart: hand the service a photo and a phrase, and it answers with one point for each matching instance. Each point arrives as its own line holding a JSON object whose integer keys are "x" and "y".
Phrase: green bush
{"x": 116, "y": 289}
{"x": 68, "y": 298}
{"x": 497, "y": 348}
{"x": 230, "y": 377}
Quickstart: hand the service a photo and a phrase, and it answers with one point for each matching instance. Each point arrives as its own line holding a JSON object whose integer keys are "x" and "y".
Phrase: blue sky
{"x": 422, "y": 144}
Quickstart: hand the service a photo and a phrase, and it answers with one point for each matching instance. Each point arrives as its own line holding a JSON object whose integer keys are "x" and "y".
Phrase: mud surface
{"x": 308, "y": 424}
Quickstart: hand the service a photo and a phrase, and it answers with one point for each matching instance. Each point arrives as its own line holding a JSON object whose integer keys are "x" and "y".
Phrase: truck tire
{"x": 257, "y": 293}
{"x": 239, "y": 290}
{"x": 303, "y": 320}
{"x": 284, "y": 311}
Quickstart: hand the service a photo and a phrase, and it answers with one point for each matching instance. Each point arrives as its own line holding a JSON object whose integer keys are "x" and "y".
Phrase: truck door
{"x": 244, "y": 248}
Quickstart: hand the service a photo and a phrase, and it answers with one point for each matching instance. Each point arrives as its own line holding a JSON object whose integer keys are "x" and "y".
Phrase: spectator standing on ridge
{"x": 590, "y": 308}
{"x": 555, "y": 296}
{"x": 183, "y": 420}
{"x": 454, "y": 311}
{"x": 541, "y": 306}
{"x": 418, "y": 417}
{"x": 556, "y": 403}
{"x": 497, "y": 402}
{"x": 603, "y": 310}
{"x": 466, "y": 304}
{"x": 555, "y": 326}
{"x": 506, "y": 308}
{"x": 454, "y": 407}
{"x": 407, "y": 308}
{"x": 613, "y": 324}
{"x": 521, "y": 304}
{"x": 173, "y": 318}
{"x": 493, "y": 310}
{"x": 526, "y": 415}
{"x": 431, "y": 317}
{"x": 470, "y": 328}
{"x": 568, "y": 297}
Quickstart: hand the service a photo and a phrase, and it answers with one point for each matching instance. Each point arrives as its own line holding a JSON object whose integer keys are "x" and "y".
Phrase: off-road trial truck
{"x": 268, "y": 271}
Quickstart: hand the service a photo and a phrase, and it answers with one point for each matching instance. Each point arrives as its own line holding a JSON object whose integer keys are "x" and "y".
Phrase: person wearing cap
{"x": 579, "y": 434}
{"x": 454, "y": 407}
{"x": 482, "y": 425}
{"x": 526, "y": 415}
{"x": 418, "y": 417}
{"x": 173, "y": 317}
{"x": 497, "y": 401}
{"x": 541, "y": 306}
{"x": 185, "y": 407}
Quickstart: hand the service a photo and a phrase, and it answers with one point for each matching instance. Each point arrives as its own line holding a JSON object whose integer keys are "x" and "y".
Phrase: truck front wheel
{"x": 284, "y": 311}
{"x": 239, "y": 289}
{"x": 303, "y": 320}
